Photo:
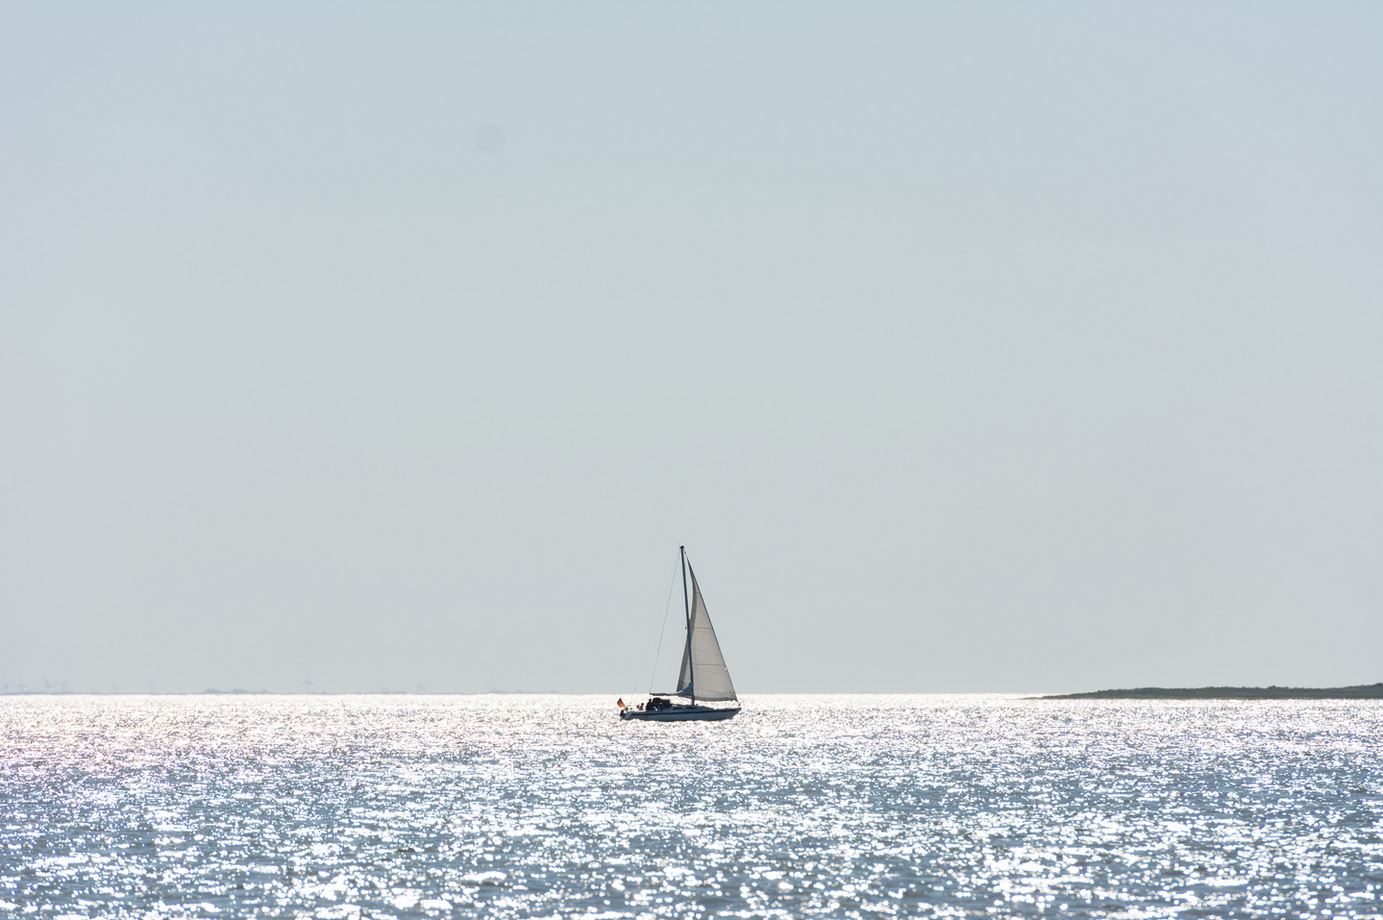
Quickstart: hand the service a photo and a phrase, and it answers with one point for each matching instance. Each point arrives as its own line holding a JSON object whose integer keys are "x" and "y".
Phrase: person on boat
{"x": 620, "y": 702}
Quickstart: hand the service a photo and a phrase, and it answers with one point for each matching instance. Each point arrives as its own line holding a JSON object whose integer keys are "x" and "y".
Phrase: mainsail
{"x": 703, "y": 675}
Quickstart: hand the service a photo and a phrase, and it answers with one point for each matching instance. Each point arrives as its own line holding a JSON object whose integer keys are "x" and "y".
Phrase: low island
{"x": 1361, "y": 692}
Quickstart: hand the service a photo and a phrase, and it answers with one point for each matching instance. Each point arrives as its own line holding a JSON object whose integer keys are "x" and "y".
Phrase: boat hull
{"x": 679, "y": 714}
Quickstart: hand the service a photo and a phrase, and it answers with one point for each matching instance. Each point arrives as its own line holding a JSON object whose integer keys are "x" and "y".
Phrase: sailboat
{"x": 703, "y": 677}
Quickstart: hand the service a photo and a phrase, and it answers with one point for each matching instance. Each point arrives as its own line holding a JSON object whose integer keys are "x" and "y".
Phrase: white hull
{"x": 680, "y": 714}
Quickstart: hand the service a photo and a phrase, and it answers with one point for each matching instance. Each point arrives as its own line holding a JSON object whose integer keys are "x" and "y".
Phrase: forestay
{"x": 703, "y": 675}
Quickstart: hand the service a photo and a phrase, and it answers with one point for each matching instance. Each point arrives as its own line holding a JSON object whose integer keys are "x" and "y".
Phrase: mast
{"x": 686, "y": 605}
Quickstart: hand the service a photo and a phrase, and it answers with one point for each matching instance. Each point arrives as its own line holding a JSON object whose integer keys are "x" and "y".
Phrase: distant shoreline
{"x": 1360, "y": 692}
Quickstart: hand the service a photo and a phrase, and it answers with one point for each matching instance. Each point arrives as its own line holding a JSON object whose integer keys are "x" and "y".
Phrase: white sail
{"x": 703, "y": 675}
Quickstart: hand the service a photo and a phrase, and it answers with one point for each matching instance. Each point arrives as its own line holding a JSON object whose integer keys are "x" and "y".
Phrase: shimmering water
{"x": 851, "y": 806}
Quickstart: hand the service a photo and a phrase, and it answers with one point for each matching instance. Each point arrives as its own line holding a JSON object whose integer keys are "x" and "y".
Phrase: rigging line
{"x": 647, "y": 644}
{"x": 667, "y": 606}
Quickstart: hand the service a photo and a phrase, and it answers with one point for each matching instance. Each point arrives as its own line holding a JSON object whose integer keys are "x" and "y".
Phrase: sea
{"x": 802, "y": 806}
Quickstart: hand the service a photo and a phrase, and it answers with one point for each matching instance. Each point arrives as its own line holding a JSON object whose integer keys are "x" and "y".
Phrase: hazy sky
{"x": 966, "y": 346}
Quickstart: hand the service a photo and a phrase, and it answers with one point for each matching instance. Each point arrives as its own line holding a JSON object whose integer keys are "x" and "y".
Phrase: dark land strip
{"x": 1360, "y": 692}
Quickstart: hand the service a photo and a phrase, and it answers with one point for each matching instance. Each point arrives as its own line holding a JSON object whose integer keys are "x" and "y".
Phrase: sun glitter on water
{"x": 532, "y": 806}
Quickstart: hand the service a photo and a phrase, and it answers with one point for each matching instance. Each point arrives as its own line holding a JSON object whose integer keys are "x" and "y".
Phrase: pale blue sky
{"x": 968, "y": 347}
